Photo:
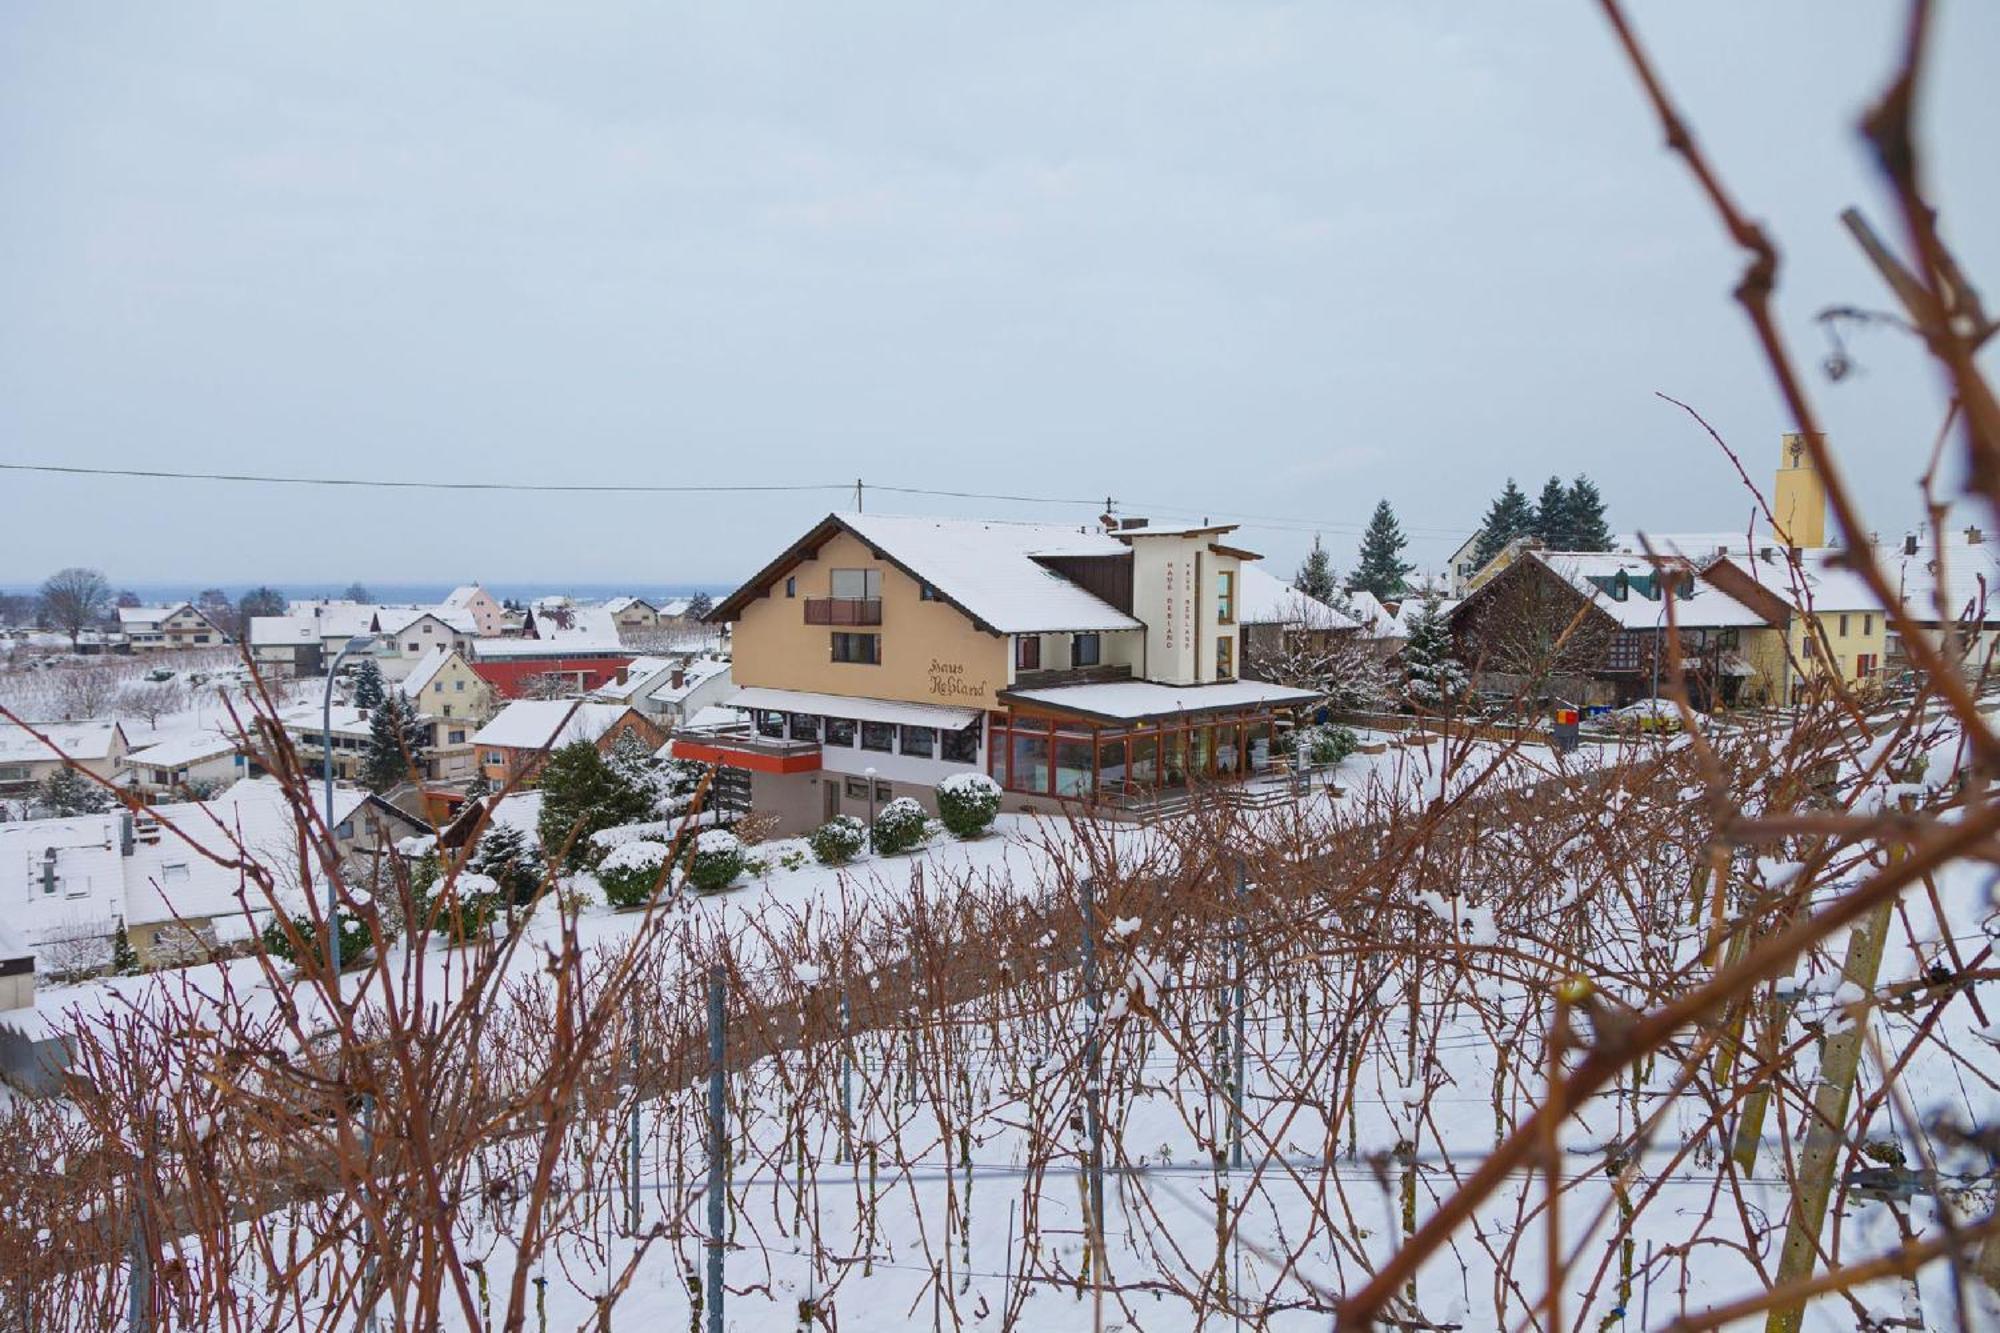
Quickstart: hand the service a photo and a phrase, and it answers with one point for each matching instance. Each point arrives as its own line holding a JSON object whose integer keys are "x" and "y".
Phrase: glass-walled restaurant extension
{"x": 1084, "y": 760}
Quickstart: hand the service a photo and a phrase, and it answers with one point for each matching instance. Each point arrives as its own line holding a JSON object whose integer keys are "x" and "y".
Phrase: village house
{"x": 405, "y": 637}
{"x": 671, "y": 691}
{"x": 1279, "y": 621}
{"x": 489, "y": 618}
{"x": 542, "y": 668}
{"x": 69, "y": 883}
{"x": 454, "y": 699}
{"x": 633, "y": 615}
{"x": 156, "y": 629}
{"x": 879, "y": 655}
{"x": 513, "y": 747}
{"x": 98, "y": 748}
{"x": 203, "y": 762}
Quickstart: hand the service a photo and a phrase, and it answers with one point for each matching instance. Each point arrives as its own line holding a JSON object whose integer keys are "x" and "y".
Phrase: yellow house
{"x": 880, "y": 655}
{"x": 453, "y": 698}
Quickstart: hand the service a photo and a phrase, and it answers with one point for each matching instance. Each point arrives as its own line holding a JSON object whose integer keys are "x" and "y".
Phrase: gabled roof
{"x": 396, "y": 619}
{"x": 1696, "y": 604}
{"x": 426, "y": 670}
{"x": 530, "y": 724}
{"x": 82, "y": 741}
{"x": 1265, "y": 599}
{"x": 191, "y": 748}
{"x": 462, "y": 596}
{"x": 149, "y": 615}
{"x": 618, "y": 604}
{"x": 984, "y": 568}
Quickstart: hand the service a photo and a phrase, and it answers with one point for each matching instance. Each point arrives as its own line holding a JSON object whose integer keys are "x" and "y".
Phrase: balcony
{"x": 737, "y": 745}
{"x": 843, "y": 610}
{"x": 1089, "y": 675}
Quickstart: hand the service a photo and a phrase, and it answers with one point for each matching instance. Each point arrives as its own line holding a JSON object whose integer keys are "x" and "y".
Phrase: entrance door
{"x": 830, "y": 799}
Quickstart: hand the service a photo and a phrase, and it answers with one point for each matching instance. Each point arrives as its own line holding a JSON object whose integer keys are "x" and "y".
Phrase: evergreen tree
{"x": 398, "y": 741}
{"x": 124, "y": 958}
{"x": 1587, "y": 528}
{"x": 1509, "y": 516}
{"x": 1382, "y": 566}
{"x": 512, "y": 860}
{"x": 1315, "y": 577}
{"x": 67, "y": 792}
{"x": 1552, "y": 517}
{"x": 368, "y": 688}
{"x": 582, "y": 794}
{"x": 1433, "y": 679}
{"x": 700, "y": 605}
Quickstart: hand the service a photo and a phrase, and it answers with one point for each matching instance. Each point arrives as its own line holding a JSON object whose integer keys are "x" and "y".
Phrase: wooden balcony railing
{"x": 843, "y": 610}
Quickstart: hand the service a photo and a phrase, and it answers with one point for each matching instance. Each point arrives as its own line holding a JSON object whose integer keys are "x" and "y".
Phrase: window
{"x": 201, "y": 638}
{"x": 1225, "y": 597}
{"x": 805, "y": 726}
{"x": 791, "y": 587}
{"x": 1225, "y": 657}
{"x": 856, "y": 584}
{"x": 447, "y": 710}
{"x": 878, "y": 736}
{"x": 415, "y": 647}
{"x": 494, "y": 757}
{"x": 455, "y": 737}
{"x": 919, "y": 741}
{"x": 1843, "y": 627}
{"x": 1867, "y": 626}
{"x": 884, "y": 792}
{"x": 437, "y": 687}
{"x": 770, "y": 723}
{"x": 961, "y": 747}
{"x": 458, "y": 686}
{"x": 174, "y": 872}
{"x": 1028, "y": 653}
{"x": 840, "y": 731}
{"x": 1085, "y": 650}
{"x": 857, "y": 789}
{"x": 862, "y": 648}
{"x": 926, "y": 593}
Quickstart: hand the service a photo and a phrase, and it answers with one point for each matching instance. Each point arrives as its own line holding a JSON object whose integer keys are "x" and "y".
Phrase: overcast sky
{"x": 1224, "y": 259}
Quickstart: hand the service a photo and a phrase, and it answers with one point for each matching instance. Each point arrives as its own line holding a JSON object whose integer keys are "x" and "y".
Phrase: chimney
{"x": 1910, "y": 544}
{"x": 1973, "y": 536}
{"x": 125, "y": 834}
{"x": 679, "y": 677}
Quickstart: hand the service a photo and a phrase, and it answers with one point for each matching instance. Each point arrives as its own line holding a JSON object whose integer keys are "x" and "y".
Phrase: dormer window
{"x": 1028, "y": 653}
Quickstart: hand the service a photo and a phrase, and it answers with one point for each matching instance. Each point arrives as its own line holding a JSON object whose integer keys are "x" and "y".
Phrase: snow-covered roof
{"x": 308, "y": 721}
{"x": 175, "y": 751}
{"x": 652, "y": 678}
{"x": 989, "y": 568}
{"x": 426, "y": 670}
{"x": 1265, "y": 599}
{"x": 1410, "y": 607}
{"x": 618, "y": 604}
{"x": 1374, "y": 618}
{"x": 147, "y": 615}
{"x": 484, "y": 650}
{"x": 1133, "y": 700}
{"x": 1698, "y": 604}
{"x": 283, "y": 631}
{"x": 674, "y": 606}
{"x": 464, "y": 595}
{"x": 81, "y": 741}
{"x": 893, "y": 711}
{"x": 396, "y": 619}
{"x": 530, "y": 724}
{"x": 584, "y": 623}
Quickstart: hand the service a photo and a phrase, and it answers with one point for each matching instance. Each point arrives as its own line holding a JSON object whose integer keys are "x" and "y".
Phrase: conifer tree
{"x": 368, "y": 689}
{"x": 1433, "y": 679}
{"x": 67, "y": 792}
{"x": 124, "y": 958}
{"x": 581, "y": 795}
{"x": 398, "y": 741}
{"x": 1552, "y": 517}
{"x": 1587, "y": 529}
{"x": 1509, "y": 516}
{"x": 1382, "y": 567}
{"x": 1315, "y": 577}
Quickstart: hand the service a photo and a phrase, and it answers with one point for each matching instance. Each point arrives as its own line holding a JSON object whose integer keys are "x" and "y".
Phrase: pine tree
{"x": 124, "y": 958}
{"x": 1509, "y": 516}
{"x": 1382, "y": 566}
{"x": 1552, "y": 517}
{"x": 398, "y": 741}
{"x": 1433, "y": 679}
{"x": 512, "y": 860}
{"x": 700, "y": 605}
{"x": 582, "y": 795}
{"x": 1587, "y": 528}
{"x": 67, "y": 792}
{"x": 1315, "y": 577}
{"x": 368, "y": 689}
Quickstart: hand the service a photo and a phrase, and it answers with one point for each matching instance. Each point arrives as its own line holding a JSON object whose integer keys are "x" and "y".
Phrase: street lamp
{"x": 362, "y": 641}
{"x": 870, "y": 773}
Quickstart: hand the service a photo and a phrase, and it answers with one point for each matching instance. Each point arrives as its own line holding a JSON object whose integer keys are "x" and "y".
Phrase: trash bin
{"x": 1565, "y": 730}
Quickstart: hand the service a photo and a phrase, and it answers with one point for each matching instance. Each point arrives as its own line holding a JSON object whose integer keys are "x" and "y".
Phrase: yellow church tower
{"x": 1798, "y": 506}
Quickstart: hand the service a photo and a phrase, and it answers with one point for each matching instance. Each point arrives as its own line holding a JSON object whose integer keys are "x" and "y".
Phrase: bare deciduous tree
{"x": 74, "y": 599}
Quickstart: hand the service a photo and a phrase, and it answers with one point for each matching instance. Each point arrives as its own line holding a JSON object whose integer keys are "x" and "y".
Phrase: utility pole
{"x": 718, "y": 1145}
{"x": 857, "y": 495}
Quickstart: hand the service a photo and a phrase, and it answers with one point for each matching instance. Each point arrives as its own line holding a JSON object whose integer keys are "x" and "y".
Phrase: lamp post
{"x": 361, "y": 641}
{"x": 870, "y": 773}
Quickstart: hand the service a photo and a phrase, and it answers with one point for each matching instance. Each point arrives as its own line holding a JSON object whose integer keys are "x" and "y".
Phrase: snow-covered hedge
{"x": 1325, "y": 743}
{"x": 717, "y": 861}
{"x": 837, "y": 841}
{"x": 899, "y": 827}
{"x": 968, "y": 803}
{"x": 630, "y": 871}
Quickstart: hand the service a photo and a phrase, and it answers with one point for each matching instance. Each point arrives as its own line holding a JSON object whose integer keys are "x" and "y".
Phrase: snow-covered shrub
{"x": 968, "y": 803}
{"x": 837, "y": 841}
{"x": 899, "y": 827}
{"x": 1325, "y": 743}
{"x": 354, "y": 937}
{"x": 631, "y": 871}
{"x": 718, "y": 859}
{"x": 467, "y": 906}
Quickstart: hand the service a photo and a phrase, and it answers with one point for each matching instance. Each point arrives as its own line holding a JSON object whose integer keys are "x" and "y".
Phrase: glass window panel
{"x": 962, "y": 747}
{"x": 878, "y": 736}
{"x": 1073, "y": 765}
{"x": 1031, "y": 762}
{"x": 770, "y": 723}
{"x": 1111, "y": 762}
{"x": 919, "y": 741}
{"x": 840, "y": 731}
{"x": 805, "y": 726}
{"x": 1142, "y": 763}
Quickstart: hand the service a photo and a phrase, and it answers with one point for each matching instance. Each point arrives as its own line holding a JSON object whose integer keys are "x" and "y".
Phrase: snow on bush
{"x": 968, "y": 803}
{"x": 899, "y": 827}
{"x": 837, "y": 841}
{"x": 717, "y": 861}
{"x": 630, "y": 872}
